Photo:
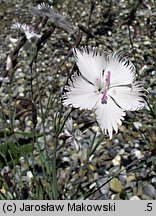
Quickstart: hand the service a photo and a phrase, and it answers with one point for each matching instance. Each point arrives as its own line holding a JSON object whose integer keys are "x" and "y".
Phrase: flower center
{"x": 104, "y": 96}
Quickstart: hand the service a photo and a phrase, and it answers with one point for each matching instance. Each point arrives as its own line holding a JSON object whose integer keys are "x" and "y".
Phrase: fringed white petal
{"x": 106, "y": 83}
{"x": 122, "y": 70}
{"x": 79, "y": 93}
{"x": 128, "y": 97}
{"x": 28, "y": 30}
{"x": 109, "y": 116}
{"x": 90, "y": 62}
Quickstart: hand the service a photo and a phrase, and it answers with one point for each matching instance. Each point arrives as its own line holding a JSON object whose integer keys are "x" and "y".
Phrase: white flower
{"x": 105, "y": 82}
{"x": 58, "y": 19}
{"x": 74, "y": 137}
{"x": 29, "y": 31}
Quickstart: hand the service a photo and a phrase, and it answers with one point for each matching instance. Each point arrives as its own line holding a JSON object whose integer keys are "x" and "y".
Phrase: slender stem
{"x": 40, "y": 103}
{"x": 54, "y": 175}
{"x": 54, "y": 172}
{"x": 151, "y": 110}
{"x": 131, "y": 43}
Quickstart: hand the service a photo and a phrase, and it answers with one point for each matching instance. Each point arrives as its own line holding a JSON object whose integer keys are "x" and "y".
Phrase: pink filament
{"x": 104, "y": 97}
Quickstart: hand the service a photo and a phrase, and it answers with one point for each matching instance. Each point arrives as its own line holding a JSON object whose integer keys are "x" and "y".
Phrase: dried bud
{"x": 62, "y": 21}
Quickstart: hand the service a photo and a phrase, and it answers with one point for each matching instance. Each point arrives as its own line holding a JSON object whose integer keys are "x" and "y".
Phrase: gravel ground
{"x": 121, "y": 168}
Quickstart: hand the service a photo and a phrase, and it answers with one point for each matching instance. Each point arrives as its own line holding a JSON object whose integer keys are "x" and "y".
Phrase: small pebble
{"x": 136, "y": 154}
{"x": 130, "y": 185}
{"x": 112, "y": 152}
{"x": 137, "y": 125}
{"x": 149, "y": 190}
{"x": 115, "y": 185}
{"x": 117, "y": 160}
{"x": 29, "y": 174}
{"x": 144, "y": 173}
{"x": 123, "y": 178}
{"x": 145, "y": 197}
{"x": 135, "y": 198}
{"x": 121, "y": 152}
{"x": 105, "y": 188}
{"x": 131, "y": 177}
{"x": 114, "y": 170}
{"x": 153, "y": 181}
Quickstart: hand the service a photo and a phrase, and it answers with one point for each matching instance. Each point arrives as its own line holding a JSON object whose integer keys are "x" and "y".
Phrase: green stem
{"x": 151, "y": 110}
{"x": 54, "y": 173}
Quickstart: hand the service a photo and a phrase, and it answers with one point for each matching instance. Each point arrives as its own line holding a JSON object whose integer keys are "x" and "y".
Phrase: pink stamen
{"x": 104, "y": 97}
